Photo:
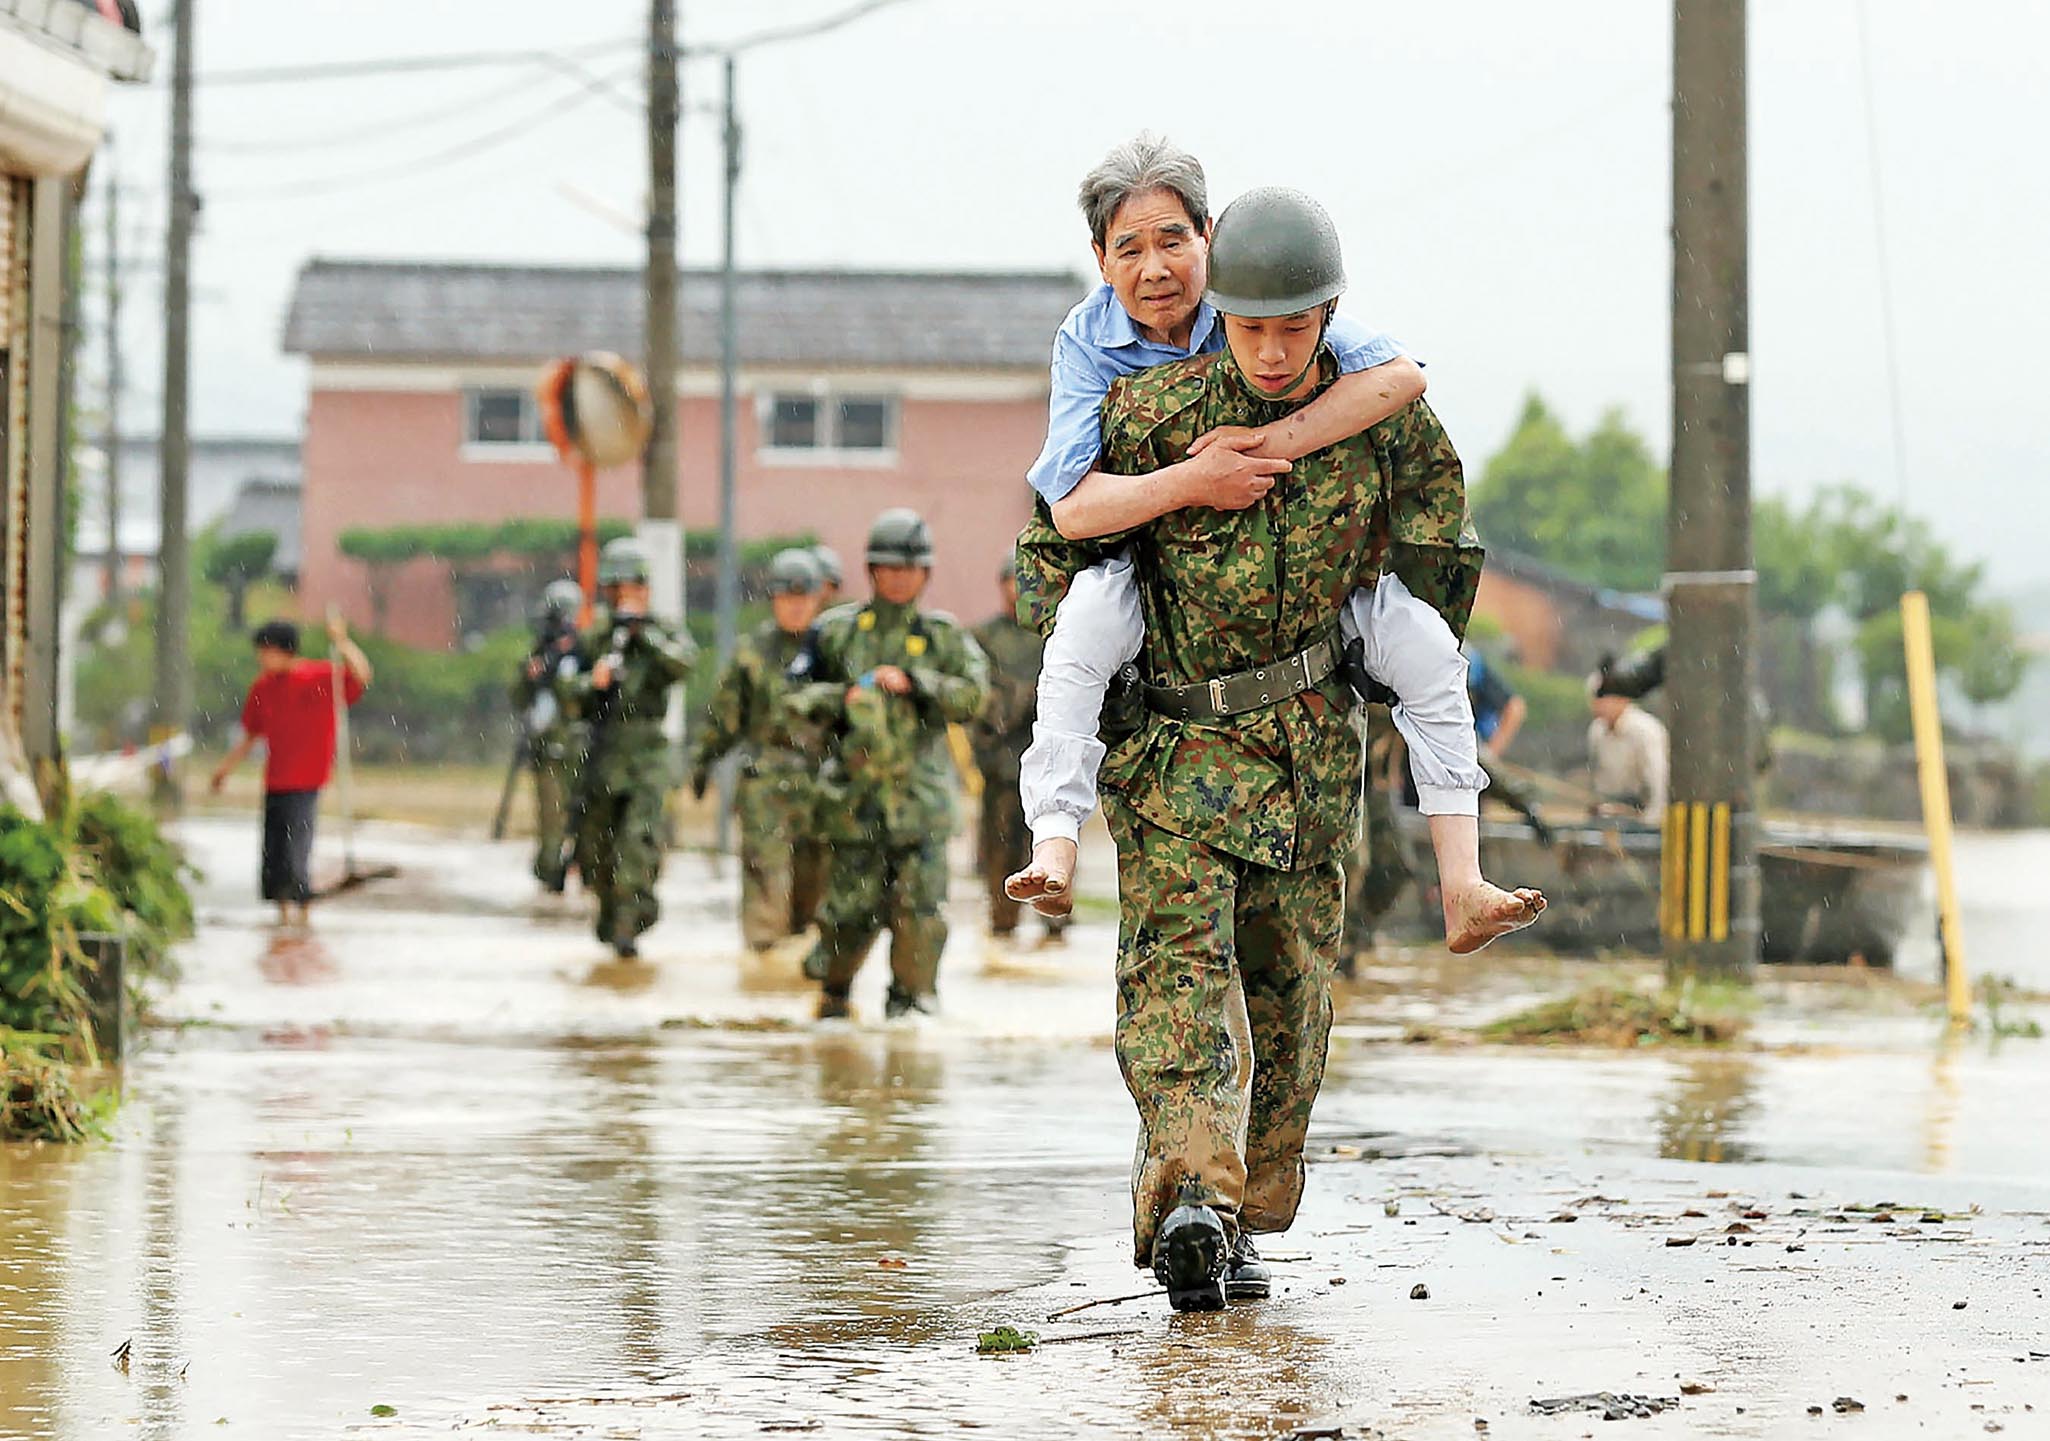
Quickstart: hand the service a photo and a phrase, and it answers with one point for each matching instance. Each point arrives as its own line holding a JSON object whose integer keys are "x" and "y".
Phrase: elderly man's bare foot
{"x": 1482, "y": 912}
{"x": 1048, "y": 881}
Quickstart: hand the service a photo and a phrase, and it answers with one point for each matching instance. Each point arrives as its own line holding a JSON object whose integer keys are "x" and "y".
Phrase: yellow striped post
{"x": 1673, "y": 854}
{"x": 1697, "y": 872}
{"x": 1936, "y": 818}
{"x": 1719, "y": 873}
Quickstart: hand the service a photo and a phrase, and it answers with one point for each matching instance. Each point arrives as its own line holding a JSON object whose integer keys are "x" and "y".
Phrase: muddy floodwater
{"x": 443, "y": 1167}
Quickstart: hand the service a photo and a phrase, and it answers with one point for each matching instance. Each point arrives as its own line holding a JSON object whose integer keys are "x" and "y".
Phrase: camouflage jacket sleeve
{"x": 1149, "y": 421}
{"x": 1048, "y": 563}
{"x": 955, "y": 677}
{"x": 820, "y": 694}
{"x": 669, "y": 654}
{"x": 726, "y": 720}
{"x": 1431, "y": 543}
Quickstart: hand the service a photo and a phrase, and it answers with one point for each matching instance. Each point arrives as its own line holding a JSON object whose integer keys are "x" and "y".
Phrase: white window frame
{"x": 524, "y": 450}
{"x": 828, "y": 454}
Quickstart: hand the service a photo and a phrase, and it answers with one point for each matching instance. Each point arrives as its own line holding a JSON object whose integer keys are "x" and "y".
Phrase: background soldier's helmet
{"x": 561, "y": 600}
{"x": 828, "y": 560}
{"x": 623, "y": 562}
{"x": 899, "y": 537}
{"x": 793, "y": 572}
{"x": 1274, "y": 251}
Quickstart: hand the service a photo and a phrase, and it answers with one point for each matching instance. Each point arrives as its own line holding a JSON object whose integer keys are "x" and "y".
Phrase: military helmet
{"x": 623, "y": 562}
{"x": 828, "y": 560}
{"x": 561, "y": 599}
{"x": 899, "y": 537}
{"x": 793, "y": 572}
{"x": 1274, "y": 251}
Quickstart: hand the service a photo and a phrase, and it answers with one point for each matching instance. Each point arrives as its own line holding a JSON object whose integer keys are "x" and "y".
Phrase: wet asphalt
{"x": 445, "y": 1156}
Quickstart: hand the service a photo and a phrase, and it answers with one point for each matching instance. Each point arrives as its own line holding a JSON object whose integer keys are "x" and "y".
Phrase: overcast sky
{"x": 1498, "y": 169}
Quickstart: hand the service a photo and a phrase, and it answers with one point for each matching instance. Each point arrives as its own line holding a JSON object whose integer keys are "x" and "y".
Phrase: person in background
{"x": 999, "y": 737}
{"x": 812, "y": 865}
{"x": 1498, "y": 711}
{"x": 1628, "y": 759}
{"x": 777, "y": 796}
{"x": 554, "y": 740}
{"x": 291, "y": 709}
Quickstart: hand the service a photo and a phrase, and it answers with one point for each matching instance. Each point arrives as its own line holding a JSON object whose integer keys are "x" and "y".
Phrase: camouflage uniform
{"x": 1379, "y": 870}
{"x": 999, "y": 737}
{"x": 885, "y": 797}
{"x": 1231, "y": 833}
{"x": 628, "y": 769}
{"x": 777, "y": 796}
{"x": 555, "y": 751}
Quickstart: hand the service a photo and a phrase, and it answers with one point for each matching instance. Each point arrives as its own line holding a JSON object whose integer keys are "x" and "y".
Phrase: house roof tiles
{"x": 382, "y": 310}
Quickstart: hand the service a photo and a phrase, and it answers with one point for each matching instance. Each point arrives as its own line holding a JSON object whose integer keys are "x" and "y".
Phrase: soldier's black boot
{"x": 900, "y": 1002}
{"x": 1246, "y": 1277}
{"x": 833, "y": 1007}
{"x": 1190, "y": 1252}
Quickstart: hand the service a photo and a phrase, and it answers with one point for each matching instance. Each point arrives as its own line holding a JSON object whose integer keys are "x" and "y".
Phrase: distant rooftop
{"x": 383, "y": 310}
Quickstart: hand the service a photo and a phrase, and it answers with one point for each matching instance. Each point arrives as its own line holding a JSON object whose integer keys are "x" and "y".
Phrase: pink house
{"x": 858, "y": 390}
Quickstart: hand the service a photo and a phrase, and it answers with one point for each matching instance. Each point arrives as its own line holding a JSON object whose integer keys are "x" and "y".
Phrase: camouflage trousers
{"x": 555, "y": 781}
{"x": 1379, "y": 873}
{"x": 619, "y": 855}
{"x": 811, "y": 870}
{"x": 901, "y": 888}
{"x": 771, "y": 815}
{"x": 1224, "y": 1015}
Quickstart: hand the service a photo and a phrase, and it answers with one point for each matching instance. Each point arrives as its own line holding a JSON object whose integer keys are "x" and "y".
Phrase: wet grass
{"x": 46, "y": 1095}
{"x": 1621, "y": 1016}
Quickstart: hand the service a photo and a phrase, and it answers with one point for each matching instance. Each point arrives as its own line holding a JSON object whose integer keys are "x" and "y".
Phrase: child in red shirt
{"x": 291, "y": 707}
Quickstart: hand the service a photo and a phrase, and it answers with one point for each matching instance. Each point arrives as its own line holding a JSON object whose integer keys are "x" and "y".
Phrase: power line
{"x": 410, "y": 64}
{"x": 362, "y": 134}
{"x": 803, "y": 31}
{"x": 1892, "y": 349}
{"x": 383, "y": 174}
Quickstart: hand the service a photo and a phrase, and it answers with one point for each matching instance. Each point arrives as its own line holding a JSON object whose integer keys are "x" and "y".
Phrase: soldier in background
{"x": 999, "y": 737}
{"x": 813, "y": 864}
{"x": 628, "y": 661}
{"x": 887, "y": 678}
{"x": 554, "y": 741}
{"x": 777, "y": 799}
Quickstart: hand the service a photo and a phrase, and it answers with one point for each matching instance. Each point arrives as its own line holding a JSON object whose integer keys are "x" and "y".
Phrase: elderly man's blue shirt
{"x": 1099, "y": 341}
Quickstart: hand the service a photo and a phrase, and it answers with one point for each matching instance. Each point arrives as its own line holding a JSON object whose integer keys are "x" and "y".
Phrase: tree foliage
{"x": 1595, "y": 508}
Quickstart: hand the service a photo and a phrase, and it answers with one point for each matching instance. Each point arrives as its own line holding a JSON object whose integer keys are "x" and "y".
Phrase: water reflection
{"x": 1708, "y": 1104}
{"x": 296, "y": 958}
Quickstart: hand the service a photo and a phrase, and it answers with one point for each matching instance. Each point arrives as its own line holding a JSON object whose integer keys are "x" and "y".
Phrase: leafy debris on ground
{"x": 1005, "y": 1340}
{"x": 1619, "y": 1016}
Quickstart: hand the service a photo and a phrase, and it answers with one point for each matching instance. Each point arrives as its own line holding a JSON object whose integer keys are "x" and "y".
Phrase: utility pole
{"x": 111, "y": 444}
{"x": 729, "y": 359}
{"x": 173, "y": 678}
{"x": 659, "y": 466}
{"x": 1710, "y": 903}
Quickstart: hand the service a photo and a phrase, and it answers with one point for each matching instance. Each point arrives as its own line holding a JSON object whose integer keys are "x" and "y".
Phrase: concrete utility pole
{"x": 1710, "y": 903}
{"x": 729, "y": 362}
{"x": 659, "y": 467}
{"x": 111, "y": 443}
{"x": 174, "y": 580}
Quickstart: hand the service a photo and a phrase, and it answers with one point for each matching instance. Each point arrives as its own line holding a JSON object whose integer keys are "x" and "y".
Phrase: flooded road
{"x": 446, "y": 1157}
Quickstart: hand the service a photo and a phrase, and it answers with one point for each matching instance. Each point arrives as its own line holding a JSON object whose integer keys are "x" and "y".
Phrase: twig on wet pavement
{"x": 1092, "y": 1336}
{"x": 1105, "y": 1301}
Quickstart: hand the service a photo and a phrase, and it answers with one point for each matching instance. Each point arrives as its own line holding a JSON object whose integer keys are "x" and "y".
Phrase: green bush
{"x": 144, "y": 875}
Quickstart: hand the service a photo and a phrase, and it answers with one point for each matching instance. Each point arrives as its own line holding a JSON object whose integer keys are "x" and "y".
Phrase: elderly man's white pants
{"x": 1099, "y": 628}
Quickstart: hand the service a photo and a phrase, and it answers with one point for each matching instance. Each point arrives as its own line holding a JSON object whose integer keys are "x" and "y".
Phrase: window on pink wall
{"x": 821, "y": 426}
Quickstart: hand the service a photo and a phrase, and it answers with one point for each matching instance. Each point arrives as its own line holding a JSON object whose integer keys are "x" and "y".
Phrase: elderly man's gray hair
{"x": 1145, "y": 162}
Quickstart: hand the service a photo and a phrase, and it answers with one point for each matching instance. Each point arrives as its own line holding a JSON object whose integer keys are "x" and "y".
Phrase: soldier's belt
{"x": 1248, "y": 690}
